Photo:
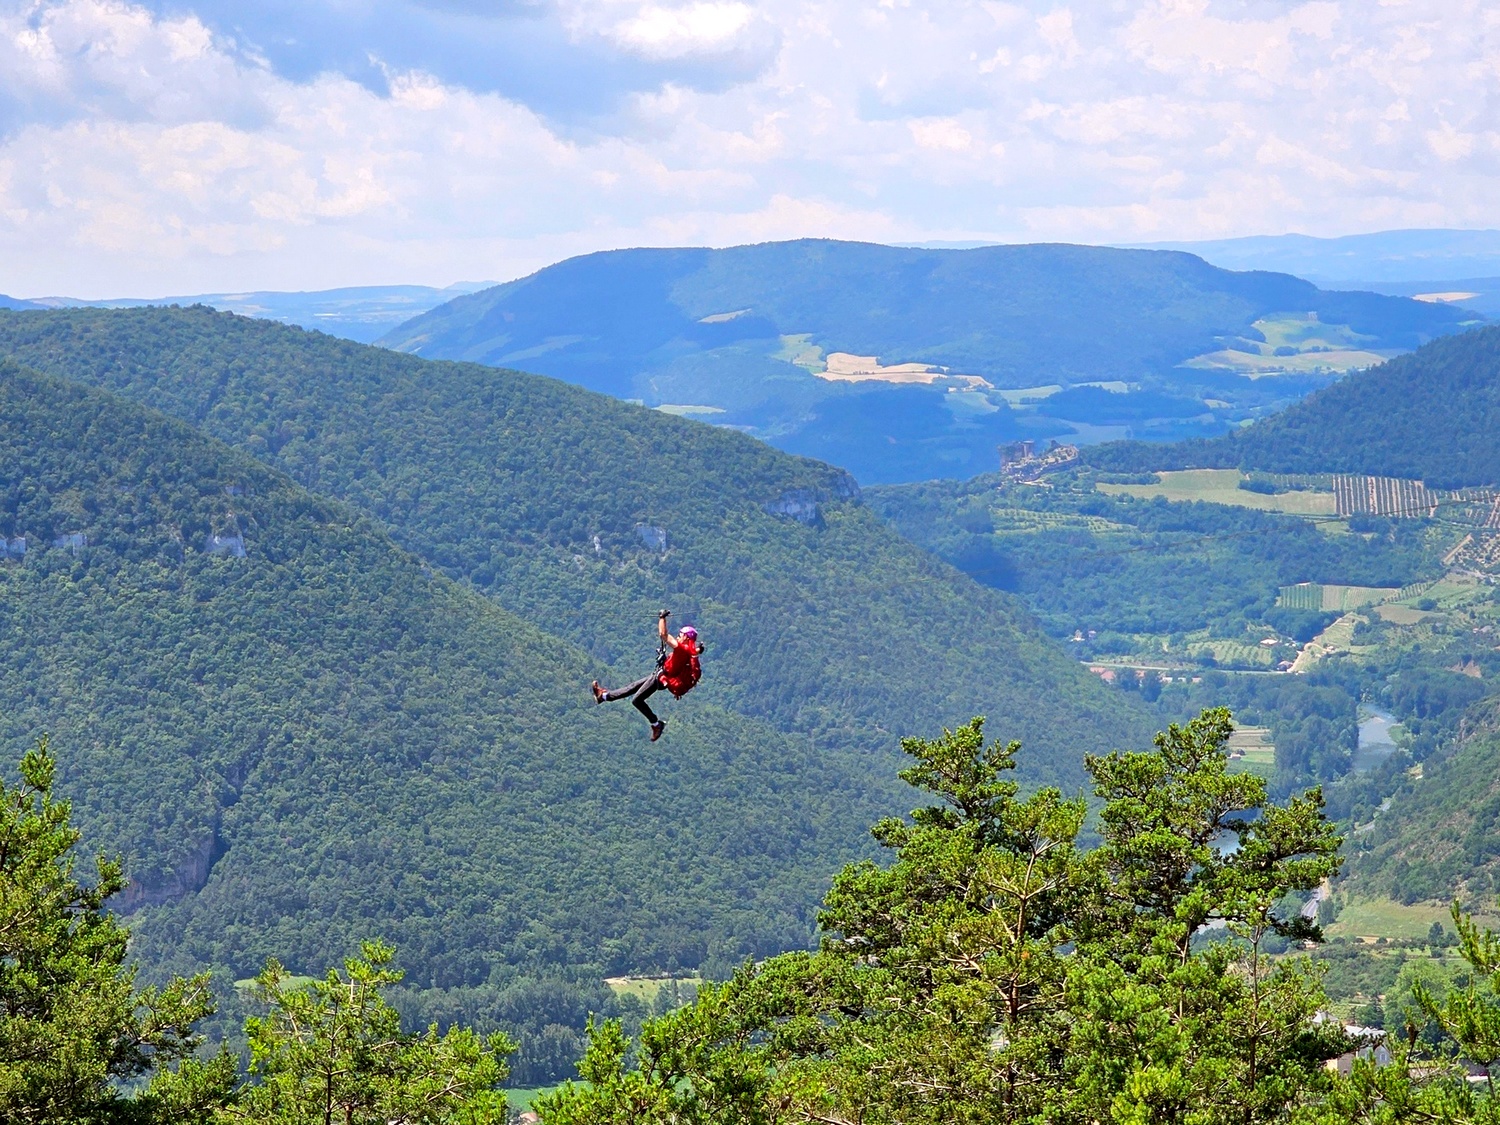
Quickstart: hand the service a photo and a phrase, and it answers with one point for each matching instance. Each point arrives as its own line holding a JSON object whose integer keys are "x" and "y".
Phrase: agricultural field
{"x": 649, "y": 989}
{"x": 1338, "y": 637}
{"x": 521, "y": 1100}
{"x": 1236, "y": 654}
{"x": 1026, "y": 519}
{"x": 1333, "y": 598}
{"x": 1403, "y": 614}
{"x": 1386, "y": 918}
{"x": 1293, "y": 344}
{"x": 1021, "y": 397}
{"x": 1253, "y": 366}
{"x": 800, "y": 351}
{"x": 1252, "y": 751}
{"x": 1222, "y": 486}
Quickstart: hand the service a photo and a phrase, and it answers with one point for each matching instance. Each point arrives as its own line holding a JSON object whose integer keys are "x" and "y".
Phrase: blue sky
{"x": 161, "y": 147}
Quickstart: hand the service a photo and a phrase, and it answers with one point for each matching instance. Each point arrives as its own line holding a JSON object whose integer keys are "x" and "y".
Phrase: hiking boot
{"x": 656, "y": 729}
{"x": 598, "y": 693}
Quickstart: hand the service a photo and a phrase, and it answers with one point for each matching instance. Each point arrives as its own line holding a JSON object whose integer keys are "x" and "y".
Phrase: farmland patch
{"x": 1292, "y": 343}
{"x": 1222, "y": 486}
{"x": 844, "y": 367}
{"x": 1386, "y": 918}
{"x": 1333, "y": 598}
{"x": 1252, "y": 751}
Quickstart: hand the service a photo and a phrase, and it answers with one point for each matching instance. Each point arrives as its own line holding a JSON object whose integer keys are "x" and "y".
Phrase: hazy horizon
{"x": 199, "y": 146}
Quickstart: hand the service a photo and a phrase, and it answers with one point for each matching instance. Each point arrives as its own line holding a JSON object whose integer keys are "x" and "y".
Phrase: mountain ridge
{"x": 748, "y": 337}
{"x": 298, "y": 736}
{"x": 1412, "y": 254}
{"x": 818, "y": 619}
{"x": 1430, "y": 415}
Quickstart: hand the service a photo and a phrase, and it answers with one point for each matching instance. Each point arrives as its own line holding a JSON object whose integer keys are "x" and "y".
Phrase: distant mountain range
{"x": 907, "y": 364}
{"x": 1391, "y": 257}
{"x": 360, "y": 313}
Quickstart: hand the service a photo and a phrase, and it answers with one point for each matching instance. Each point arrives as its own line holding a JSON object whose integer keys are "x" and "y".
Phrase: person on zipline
{"x": 677, "y": 670}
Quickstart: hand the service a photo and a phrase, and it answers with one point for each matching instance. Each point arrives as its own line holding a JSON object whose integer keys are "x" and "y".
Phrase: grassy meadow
{"x": 1222, "y": 486}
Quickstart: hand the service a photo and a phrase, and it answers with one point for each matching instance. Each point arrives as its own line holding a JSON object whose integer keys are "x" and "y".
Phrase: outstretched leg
{"x": 629, "y": 690}
{"x": 637, "y": 693}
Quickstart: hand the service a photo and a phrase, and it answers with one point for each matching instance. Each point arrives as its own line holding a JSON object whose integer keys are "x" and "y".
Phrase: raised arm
{"x": 661, "y": 628}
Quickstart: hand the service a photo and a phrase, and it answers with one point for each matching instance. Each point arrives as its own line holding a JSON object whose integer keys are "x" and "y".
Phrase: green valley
{"x": 1300, "y": 573}
{"x": 298, "y": 736}
{"x": 300, "y": 732}
{"x": 905, "y": 364}
{"x": 586, "y": 515}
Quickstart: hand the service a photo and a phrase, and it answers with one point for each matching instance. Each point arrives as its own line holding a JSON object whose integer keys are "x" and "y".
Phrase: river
{"x": 1375, "y": 741}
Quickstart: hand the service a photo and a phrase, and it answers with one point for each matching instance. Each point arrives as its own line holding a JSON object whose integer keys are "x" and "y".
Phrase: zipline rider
{"x": 677, "y": 670}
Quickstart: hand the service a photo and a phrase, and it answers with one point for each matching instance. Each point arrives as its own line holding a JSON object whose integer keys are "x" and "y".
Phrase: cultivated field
{"x": 1308, "y": 346}
{"x": 1384, "y": 496}
{"x": 844, "y": 367}
{"x": 1333, "y": 599}
{"x": 1253, "y": 366}
{"x": 520, "y": 1100}
{"x": 1024, "y": 519}
{"x": 1236, "y": 654}
{"x": 1251, "y": 751}
{"x": 1403, "y": 614}
{"x": 647, "y": 989}
{"x": 1383, "y": 917}
{"x": 1221, "y": 486}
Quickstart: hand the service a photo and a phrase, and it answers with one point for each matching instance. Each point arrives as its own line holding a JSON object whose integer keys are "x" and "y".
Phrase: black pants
{"x": 638, "y": 693}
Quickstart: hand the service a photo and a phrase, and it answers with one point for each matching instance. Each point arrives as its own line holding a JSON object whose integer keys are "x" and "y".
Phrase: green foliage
{"x": 323, "y": 738}
{"x": 334, "y": 1050}
{"x": 80, "y": 1043}
{"x": 535, "y": 492}
{"x": 1428, "y": 1079}
{"x": 73, "y": 1025}
{"x": 1083, "y": 560}
{"x": 1313, "y": 720}
{"x": 1426, "y": 416}
{"x": 1440, "y": 837}
{"x": 995, "y": 972}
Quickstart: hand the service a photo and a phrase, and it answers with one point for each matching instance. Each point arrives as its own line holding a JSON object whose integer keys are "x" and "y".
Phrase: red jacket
{"x": 681, "y": 671}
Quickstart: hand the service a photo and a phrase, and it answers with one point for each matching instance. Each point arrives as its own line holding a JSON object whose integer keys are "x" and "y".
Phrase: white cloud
{"x": 690, "y": 29}
{"x": 940, "y": 132}
{"x": 146, "y": 153}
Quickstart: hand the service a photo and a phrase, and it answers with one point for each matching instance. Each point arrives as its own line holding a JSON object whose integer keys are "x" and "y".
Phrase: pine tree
{"x": 994, "y": 971}
{"x": 73, "y": 1025}
{"x": 332, "y": 1051}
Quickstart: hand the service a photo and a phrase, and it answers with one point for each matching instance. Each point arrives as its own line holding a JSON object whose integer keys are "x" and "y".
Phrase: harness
{"x": 679, "y": 671}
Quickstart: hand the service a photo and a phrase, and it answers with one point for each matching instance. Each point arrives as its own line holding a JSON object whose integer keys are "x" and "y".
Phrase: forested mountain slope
{"x": 748, "y": 336}
{"x": 298, "y": 736}
{"x": 1017, "y": 315}
{"x": 818, "y": 619}
{"x": 1432, "y": 415}
{"x": 1441, "y": 837}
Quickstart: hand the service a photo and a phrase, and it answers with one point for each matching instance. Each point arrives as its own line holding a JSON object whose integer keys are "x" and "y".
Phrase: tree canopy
{"x": 995, "y": 970}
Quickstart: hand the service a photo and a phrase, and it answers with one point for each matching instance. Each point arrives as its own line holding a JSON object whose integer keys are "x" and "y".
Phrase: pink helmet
{"x": 689, "y": 631}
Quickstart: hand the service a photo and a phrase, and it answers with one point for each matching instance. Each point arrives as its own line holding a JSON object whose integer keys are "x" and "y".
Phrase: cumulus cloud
{"x": 150, "y": 147}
